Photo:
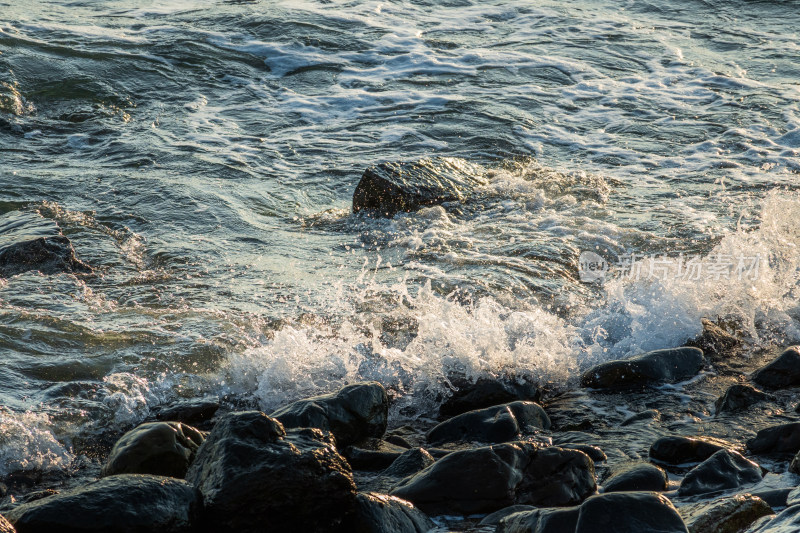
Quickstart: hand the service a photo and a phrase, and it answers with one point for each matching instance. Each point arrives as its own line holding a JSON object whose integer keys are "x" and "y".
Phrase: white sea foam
{"x": 28, "y": 444}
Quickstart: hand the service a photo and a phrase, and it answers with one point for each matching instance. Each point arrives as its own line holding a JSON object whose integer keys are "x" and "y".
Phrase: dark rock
{"x": 782, "y": 372}
{"x": 379, "y": 457}
{"x": 739, "y": 397}
{"x": 787, "y": 521}
{"x": 545, "y": 520}
{"x": 793, "y": 497}
{"x": 714, "y": 340}
{"x": 649, "y": 415}
{"x": 726, "y": 515}
{"x": 159, "y": 448}
{"x": 650, "y": 368}
{"x": 629, "y": 512}
{"x": 250, "y": 470}
{"x": 352, "y": 414}
{"x": 192, "y": 412}
{"x": 409, "y": 463}
{"x": 397, "y": 440}
{"x": 127, "y": 503}
{"x": 494, "y": 518}
{"x": 28, "y": 241}
{"x": 594, "y": 452}
{"x": 775, "y": 498}
{"x": 501, "y": 423}
{"x": 637, "y": 477}
{"x": 784, "y": 438}
{"x": 487, "y": 392}
{"x": 379, "y": 513}
{"x": 722, "y": 471}
{"x": 676, "y": 450}
{"x": 490, "y": 478}
{"x": 390, "y": 188}
{"x": 5, "y": 526}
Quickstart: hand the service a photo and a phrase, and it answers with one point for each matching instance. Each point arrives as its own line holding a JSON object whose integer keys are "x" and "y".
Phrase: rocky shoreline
{"x": 703, "y": 438}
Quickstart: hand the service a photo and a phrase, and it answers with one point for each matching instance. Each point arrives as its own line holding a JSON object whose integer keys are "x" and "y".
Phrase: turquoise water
{"x": 201, "y": 156}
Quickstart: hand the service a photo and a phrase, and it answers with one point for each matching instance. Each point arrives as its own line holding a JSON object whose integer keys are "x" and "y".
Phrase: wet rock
{"x": 28, "y": 241}
{"x": 494, "y": 518}
{"x": 649, "y": 415}
{"x": 775, "y": 498}
{"x": 193, "y": 412}
{"x": 784, "y": 438}
{"x": 380, "y": 456}
{"x": 722, "y": 471}
{"x": 739, "y": 397}
{"x": 250, "y": 470}
{"x": 352, "y": 414}
{"x": 782, "y": 372}
{"x": 714, "y": 340}
{"x": 629, "y": 512}
{"x": 660, "y": 366}
{"x": 159, "y": 448}
{"x": 127, "y": 503}
{"x": 793, "y": 497}
{"x": 787, "y": 521}
{"x": 594, "y": 452}
{"x": 490, "y": 478}
{"x": 501, "y": 423}
{"x": 637, "y": 477}
{"x": 487, "y": 392}
{"x": 380, "y": 513}
{"x": 545, "y": 520}
{"x": 389, "y": 188}
{"x": 726, "y": 515}
{"x": 409, "y": 463}
{"x": 5, "y": 526}
{"x": 676, "y": 450}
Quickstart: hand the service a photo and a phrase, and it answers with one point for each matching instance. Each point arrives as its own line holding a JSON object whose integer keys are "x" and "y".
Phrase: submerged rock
{"x": 490, "y": 478}
{"x": 722, "y": 471}
{"x": 390, "y": 188}
{"x": 651, "y": 415}
{"x": 501, "y": 423}
{"x": 677, "y": 450}
{"x": 637, "y": 477}
{"x": 126, "y": 503}
{"x": 783, "y": 372}
{"x": 353, "y": 414}
{"x": 739, "y": 397}
{"x": 254, "y": 474}
{"x": 660, "y": 366}
{"x": 629, "y": 512}
{"x": 493, "y": 519}
{"x": 487, "y": 392}
{"x": 380, "y": 513}
{"x": 160, "y": 448}
{"x": 726, "y": 515}
{"x": 784, "y": 438}
{"x": 545, "y": 520}
{"x": 30, "y": 242}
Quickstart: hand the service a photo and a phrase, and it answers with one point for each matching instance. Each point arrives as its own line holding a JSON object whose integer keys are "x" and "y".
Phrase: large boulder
{"x": 660, "y": 366}
{"x": 676, "y": 450}
{"x": 784, "y": 438}
{"x": 380, "y": 513}
{"x": 29, "y": 241}
{"x": 739, "y": 397}
{"x": 629, "y": 512}
{"x": 486, "y": 392}
{"x": 637, "y": 477}
{"x": 724, "y": 470}
{"x": 390, "y": 188}
{"x": 501, "y": 423}
{"x": 544, "y": 520}
{"x": 782, "y": 372}
{"x": 489, "y": 478}
{"x": 353, "y": 414}
{"x": 725, "y": 515}
{"x": 254, "y": 474}
{"x": 127, "y": 503}
{"x": 160, "y": 448}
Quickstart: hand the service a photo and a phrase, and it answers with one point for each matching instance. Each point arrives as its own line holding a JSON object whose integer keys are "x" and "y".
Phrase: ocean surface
{"x": 202, "y": 155}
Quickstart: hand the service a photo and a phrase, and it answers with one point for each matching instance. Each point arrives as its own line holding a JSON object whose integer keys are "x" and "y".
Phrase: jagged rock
{"x": 493, "y": 519}
{"x": 193, "y": 412}
{"x": 487, "y": 392}
{"x": 784, "y": 438}
{"x": 409, "y": 463}
{"x": 250, "y": 470}
{"x": 739, "y": 397}
{"x": 545, "y": 520}
{"x": 378, "y": 456}
{"x": 490, "y": 478}
{"x": 783, "y": 372}
{"x": 724, "y": 470}
{"x": 126, "y": 503}
{"x": 714, "y": 341}
{"x": 389, "y": 188}
{"x": 380, "y": 513}
{"x": 637, "y": 477}
{"x": 677, "y": 450}
{"x": 649, "y": 415}
{"x": 353, "y": 414}
{"x": 726, "y": 515}
{"x": 787, "y": 521}
{"x": 159, "y": 448}
{"x": 501, "y": 423}
{"x": 650, "y": 368}
{"x": 629, "y": 512}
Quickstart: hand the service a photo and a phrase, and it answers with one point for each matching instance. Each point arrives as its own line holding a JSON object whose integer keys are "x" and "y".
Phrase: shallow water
{"x": 201, "y": 156}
